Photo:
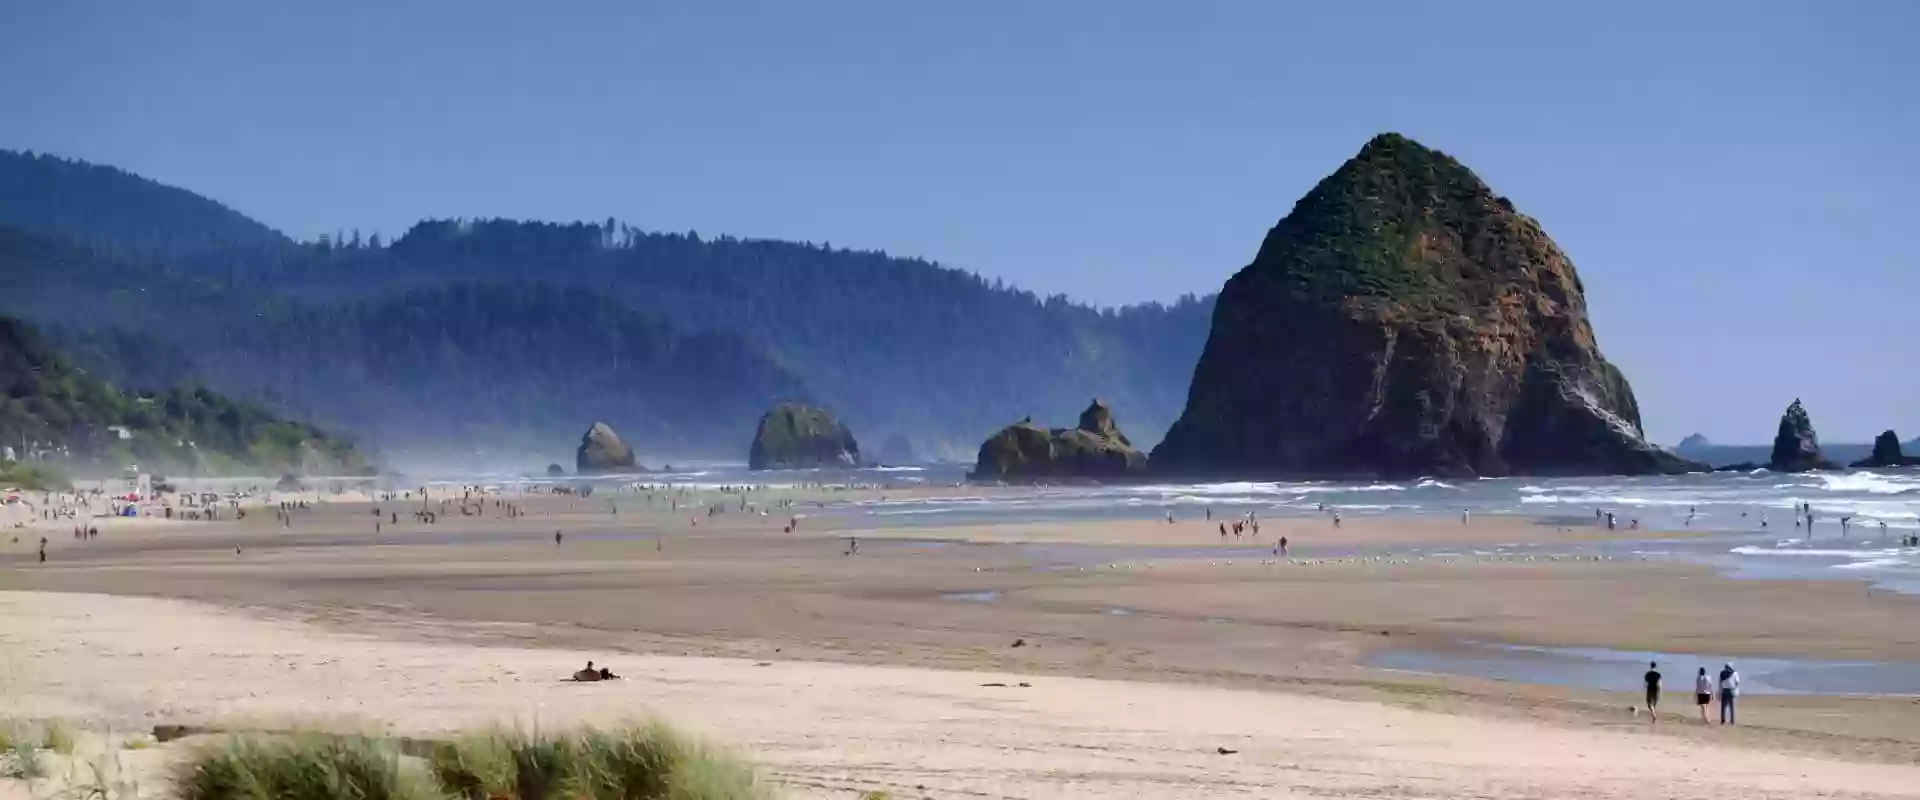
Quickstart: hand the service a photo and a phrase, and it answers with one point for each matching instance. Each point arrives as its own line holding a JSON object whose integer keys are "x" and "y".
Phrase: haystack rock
{"x": 1094, "y": 449}
{"x": 795, "y": 436}
{"x": 1796, "y": 448}
{"x": 602, "y": 451}
{"x": 1405, "y": 320}
{"x": 1886, "y": 453}
{"x": 556, "y": 471}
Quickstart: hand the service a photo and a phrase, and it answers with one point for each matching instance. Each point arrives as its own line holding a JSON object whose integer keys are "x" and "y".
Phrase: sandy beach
{"x": 1147, "y": 645}
{"x": 827, "y": 730}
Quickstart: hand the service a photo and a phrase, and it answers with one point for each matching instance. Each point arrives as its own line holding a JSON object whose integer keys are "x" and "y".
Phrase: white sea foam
{"x": 1750, "y": 550}
{"x": 1871, "y": 483}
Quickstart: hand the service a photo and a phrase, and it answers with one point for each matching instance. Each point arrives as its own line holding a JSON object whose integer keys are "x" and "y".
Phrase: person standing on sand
{"x": 1653, "y": 692}
{"x": 1283, "y": 546}
{"x": 43, "y": 549}
{"x": 557, "y": 536}
{"x": 1703, "y": 694}
{"x": 1729, "y": 692}
{"x": 1465, "y": 516}
{"x": 1336, "y": 518}
{"x": 1610, "y": 521}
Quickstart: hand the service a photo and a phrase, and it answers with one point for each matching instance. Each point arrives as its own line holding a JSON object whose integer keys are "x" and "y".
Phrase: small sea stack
{"x": 1093, "y": 449}
{"x": 601, "y": 451}
{"x": 798, "y": 436}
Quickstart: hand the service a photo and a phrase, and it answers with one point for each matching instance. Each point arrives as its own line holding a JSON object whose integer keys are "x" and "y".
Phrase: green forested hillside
{"x": 52, "y": 412}
{"x": 897, "y": 346}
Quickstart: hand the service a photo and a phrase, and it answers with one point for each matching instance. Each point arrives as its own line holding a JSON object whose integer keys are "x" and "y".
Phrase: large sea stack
{"x": 1796, "y": 448}
{"x": 795, "y": 436}
{"x": 602, "y": 451}
{"x": 1405, "y": 320}
{"x": 1094, "y": 449}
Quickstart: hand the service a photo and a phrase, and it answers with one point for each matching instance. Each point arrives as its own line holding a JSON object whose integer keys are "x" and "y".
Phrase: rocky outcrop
{"x": 795, "y": 436}
{"x": 1693, "y": 446}
{"x": 1405, "y": 320}
{"x": 1796, "y": 448}
{"x": 556, "y": 471}
{"x": 1886, "y": 453}
{"x": 1094, "y": 449}
{"x": 602, "y": 451}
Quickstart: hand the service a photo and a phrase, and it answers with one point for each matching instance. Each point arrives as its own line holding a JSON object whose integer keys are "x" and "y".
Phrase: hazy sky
{"x": 1737, "y": 181}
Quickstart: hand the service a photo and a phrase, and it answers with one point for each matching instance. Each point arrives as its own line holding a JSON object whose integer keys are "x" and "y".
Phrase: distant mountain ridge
{"x": 899, "y": 347}
{"x": 100, "y": 205}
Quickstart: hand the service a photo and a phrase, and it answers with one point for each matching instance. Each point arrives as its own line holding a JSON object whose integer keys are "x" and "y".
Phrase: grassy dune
{"x": 639, "y": 763}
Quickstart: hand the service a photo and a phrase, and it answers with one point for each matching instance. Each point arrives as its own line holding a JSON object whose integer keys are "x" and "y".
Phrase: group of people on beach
{"x": 1726, "y": 686}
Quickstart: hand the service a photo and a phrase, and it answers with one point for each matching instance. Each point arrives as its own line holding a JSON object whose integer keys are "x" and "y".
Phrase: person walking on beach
{"x": 1465, "y": 516}
{"x": 1283, "y": 546}
{"x": 1729, "y": 692}
{"x": 43, "y": 549}
{"x": 1703, "y": 694}
{"x": 557, "y": 536}
{"x": 1610, "y": 521}
{"x": 1653, "y": 692}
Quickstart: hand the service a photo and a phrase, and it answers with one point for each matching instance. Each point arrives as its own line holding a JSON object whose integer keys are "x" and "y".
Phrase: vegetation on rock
{"x": 1094, "y": 449}
{"x": 1402, "y": 320}
{"x": 799, "y": 436}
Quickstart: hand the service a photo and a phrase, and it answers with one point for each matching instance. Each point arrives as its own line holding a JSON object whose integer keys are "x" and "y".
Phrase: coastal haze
{"x": 1361, "y": 415}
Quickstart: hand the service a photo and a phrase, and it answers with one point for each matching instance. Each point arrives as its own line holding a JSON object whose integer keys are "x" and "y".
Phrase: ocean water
{"x": 1747, "y": 520}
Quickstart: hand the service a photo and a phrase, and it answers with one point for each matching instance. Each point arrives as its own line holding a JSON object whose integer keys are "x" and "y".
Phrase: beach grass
{"x": 645, "y": 762}
{"x": 649, "y": 762}
{"x": 56, "y": 736}
{"x": 300, "y": 767}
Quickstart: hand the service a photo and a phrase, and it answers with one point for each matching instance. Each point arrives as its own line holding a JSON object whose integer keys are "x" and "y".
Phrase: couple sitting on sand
{"x": 591, "y": 674}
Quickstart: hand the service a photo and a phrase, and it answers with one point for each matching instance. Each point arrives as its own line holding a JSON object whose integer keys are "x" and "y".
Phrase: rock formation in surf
{"x": 1886, "y": 453}
{"x": 602, "y": 451}
{"x": 796, "y": 436}
{"x": 1796, "y": 448}
{"x": 556, "y": 471}
{"x": 1094, "y": 449}
{"x": 1405, "y": 320}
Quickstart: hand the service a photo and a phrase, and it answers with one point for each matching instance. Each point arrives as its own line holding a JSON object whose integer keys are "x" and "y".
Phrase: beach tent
{"x": 130, "y": 511}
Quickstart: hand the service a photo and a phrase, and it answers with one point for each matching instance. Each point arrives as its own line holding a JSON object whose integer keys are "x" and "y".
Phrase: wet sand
{"x": 1138, "y": 601}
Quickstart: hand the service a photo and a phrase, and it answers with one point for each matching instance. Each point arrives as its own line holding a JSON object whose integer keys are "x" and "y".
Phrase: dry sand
{"x": 827, "y": 730}
{"x": 427, "y": 626}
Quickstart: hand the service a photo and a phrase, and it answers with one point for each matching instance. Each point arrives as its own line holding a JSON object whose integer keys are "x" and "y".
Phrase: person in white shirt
{"x": 1703, "y": 693}
{"x": 1729, "y": 692}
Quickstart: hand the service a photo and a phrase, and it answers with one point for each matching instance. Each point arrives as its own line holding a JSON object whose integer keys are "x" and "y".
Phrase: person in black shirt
{"x": 1653, "y": 692}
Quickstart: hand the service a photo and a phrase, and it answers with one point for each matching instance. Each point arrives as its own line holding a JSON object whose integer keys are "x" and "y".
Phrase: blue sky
{"x": 1735, "y": 180}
